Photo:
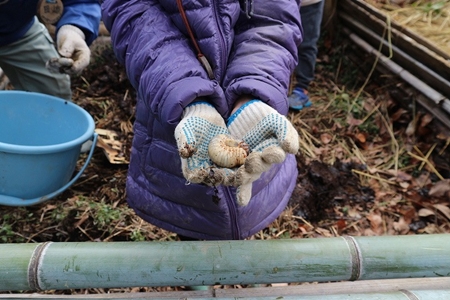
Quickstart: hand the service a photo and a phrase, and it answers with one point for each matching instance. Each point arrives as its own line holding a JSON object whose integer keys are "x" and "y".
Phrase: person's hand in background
{"x": 75, "y": 53}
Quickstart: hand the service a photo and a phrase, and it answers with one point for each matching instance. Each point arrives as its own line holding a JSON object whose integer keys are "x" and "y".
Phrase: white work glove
{"x": 269, "y": 135}
{"x": 75, "y": 53}
{"x": 200, "y": 123}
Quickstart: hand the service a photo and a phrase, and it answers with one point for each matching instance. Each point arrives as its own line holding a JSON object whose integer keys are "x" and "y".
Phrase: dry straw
{"x": 429, "y": 19}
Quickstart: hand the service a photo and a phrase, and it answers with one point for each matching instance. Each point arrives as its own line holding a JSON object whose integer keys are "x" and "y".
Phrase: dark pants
{"x": 307, "y": 51}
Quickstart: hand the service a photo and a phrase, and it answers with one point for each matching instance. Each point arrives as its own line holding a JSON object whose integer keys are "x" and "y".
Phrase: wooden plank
{"x": 329, "y": 17}
{"x": 398, "y": 55}
{"x": 406, "y": 90}
{"x": 334, "y": 288}
{"x": 309, "y": 289}
{"x": 404, "y": 30}
{"x": 376, "y": 21}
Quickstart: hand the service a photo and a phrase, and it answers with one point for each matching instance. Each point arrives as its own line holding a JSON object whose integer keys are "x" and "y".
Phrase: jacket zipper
{"x": 232, "y": 209}
{"x": 231, "y": 203}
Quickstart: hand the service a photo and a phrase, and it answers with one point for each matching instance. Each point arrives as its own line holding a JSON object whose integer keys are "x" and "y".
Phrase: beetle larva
{"x": 227, "y": 152}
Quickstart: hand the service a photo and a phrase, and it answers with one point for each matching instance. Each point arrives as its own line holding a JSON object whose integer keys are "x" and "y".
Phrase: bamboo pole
{"x": 59, "y": 266}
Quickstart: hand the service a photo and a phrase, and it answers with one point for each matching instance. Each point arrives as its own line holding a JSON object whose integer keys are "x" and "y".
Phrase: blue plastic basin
{"x": 40, "y": 143}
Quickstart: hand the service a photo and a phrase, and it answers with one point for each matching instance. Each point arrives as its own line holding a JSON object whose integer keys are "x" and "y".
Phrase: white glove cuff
{"x": 248, "y": 116}
{"x": 197, "y": 109}
{"x": 205, "y": 111}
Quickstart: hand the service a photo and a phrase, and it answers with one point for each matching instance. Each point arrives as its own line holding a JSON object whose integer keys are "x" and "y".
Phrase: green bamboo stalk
{"x": 14, "y": 261}
{"x": 129, "y": 264}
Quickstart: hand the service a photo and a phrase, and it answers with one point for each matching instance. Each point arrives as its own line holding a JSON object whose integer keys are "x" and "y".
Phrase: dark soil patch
{"x": 322, "y": 186}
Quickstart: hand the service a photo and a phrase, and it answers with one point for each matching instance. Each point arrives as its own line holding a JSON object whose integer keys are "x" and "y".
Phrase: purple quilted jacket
{"x": 252, "y": 48}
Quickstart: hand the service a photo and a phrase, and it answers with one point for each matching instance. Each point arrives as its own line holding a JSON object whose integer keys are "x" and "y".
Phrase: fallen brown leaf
{"x": 426, "y": 119}
{"x": 361, "y": 137}
{"x": 440, "y": 189}
{"x": 411, "y": 129}
{"x": 401, "y": 226}
{"x": 409, "y": 213}
{"x": 445, "y": 210}
{"x": 376, "y": 223}
{"x": 326, "y": 138}
{"x": 353, "y": 122}
{"x": 425, "y": 212}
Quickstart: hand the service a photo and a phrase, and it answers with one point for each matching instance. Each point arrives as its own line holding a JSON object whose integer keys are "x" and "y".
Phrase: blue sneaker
{"x": 299, "y": 99}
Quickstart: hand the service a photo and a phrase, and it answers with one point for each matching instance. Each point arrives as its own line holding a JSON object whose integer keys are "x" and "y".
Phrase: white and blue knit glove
{"x": 199, "y": 124}
{"x": 269, "y": 135}
{"x": 75, "y": 53}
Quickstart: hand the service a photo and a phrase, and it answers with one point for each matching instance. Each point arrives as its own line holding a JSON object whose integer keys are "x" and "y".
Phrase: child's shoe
{"x": 299, "y": 99}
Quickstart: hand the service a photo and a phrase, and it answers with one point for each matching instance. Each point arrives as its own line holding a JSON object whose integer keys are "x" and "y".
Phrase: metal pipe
{"x": 56, "y": 266}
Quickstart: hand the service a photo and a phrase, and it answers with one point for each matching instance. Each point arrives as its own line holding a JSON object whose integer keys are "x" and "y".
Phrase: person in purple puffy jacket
{"x": 204, "y": 68}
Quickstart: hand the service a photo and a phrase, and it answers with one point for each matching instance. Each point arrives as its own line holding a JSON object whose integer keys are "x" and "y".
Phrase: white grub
{"x": 225, "y": 151}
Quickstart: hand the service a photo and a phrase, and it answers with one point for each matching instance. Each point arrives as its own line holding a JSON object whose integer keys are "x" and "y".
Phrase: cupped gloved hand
{"x": 72, "y": 47}
{"x": 269, "y": 136}
{"x": 200, "y": 123}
